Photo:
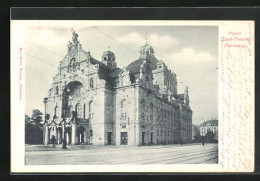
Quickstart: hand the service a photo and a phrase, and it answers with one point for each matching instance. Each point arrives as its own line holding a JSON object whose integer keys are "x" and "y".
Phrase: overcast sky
{"x": 191, "y": 52}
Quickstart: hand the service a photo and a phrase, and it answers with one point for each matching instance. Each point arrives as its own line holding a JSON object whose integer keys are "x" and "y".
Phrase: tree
{"x": 209, "y": 137}
{"x": 34, "y": 128}
{"x": 37, "y": 117}
{"x": 197, "y": 138}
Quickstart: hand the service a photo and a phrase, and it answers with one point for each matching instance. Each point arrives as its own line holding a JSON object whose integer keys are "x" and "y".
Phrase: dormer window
{"x": 105, "y": 58}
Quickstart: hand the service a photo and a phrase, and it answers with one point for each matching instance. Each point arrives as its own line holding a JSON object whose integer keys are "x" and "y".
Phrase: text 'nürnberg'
{"x": 234, "y": 39}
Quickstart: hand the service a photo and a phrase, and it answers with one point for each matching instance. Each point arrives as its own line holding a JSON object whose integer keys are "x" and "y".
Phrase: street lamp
{"x": 64, "y": 122}
{"x": 45, "y": 101}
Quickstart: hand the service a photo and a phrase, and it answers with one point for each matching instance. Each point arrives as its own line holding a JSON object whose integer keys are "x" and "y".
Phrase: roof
{"x": 179, "y": 96}
{"x": 212, "y": 123}
{"x": 134, "y": 67}
{"x": 115, "y": 72}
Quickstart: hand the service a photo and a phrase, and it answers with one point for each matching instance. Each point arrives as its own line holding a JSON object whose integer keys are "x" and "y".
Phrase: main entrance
{"x": 123, "y": 138}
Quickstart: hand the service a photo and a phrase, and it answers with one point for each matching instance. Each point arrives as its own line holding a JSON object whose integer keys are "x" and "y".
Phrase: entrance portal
{"x": 123, "y": 138}
{"x": 81, "y": 130}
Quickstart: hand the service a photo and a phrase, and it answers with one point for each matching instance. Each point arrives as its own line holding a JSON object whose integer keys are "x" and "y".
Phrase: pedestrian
{"x": 202, "y": 142}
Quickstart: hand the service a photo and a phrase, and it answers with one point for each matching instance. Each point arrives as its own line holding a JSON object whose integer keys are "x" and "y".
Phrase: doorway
{"x": 151, "y": 138}
{"x": 143, "y": 135}
{"x": 123, "y": 138}
{"x": 109, "y": 138}
{"x": 81, "y": 134}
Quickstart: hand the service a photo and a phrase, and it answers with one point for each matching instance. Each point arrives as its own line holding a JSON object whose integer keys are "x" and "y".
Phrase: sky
{"x": 189, "y": 51}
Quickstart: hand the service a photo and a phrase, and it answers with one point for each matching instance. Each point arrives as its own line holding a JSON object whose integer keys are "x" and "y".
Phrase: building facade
{"x": 95, "y": 102}
{"x": 211, "y": 125}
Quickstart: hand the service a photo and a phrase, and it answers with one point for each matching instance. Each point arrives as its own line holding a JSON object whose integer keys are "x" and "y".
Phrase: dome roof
{"x": 146, "y": 52}
{"x": 134, "y": 67}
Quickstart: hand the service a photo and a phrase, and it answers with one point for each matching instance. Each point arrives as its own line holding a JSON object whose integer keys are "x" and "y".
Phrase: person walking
{"x": 203, "y": 142}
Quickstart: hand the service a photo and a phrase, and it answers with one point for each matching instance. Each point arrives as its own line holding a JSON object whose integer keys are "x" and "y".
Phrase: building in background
{"x": 95, "y": 102}
{"x": 211, "y": 125}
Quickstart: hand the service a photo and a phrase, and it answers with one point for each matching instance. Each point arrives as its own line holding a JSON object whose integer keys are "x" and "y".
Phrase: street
{"x": 121, "y": 155}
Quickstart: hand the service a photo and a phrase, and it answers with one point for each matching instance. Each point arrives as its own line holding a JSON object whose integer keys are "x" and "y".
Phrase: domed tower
{"x": 109, "y": 59}
{"x": 146, "y": 51}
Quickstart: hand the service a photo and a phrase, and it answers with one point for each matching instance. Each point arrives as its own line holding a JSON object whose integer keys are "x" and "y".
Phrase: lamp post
{"x": 64, "y": 122}
{"x": 45, "y": 101}
{"x": 45, "y": 133}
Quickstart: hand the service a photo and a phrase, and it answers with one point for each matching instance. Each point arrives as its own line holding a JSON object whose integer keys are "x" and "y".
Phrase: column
{"x": 46, "y": 139}
{"x": 73, "y": 134}
{"x": 55, "y": 132}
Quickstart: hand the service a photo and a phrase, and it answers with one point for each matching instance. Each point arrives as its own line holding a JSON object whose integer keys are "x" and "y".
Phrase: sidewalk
{"x": 29, "y": 148}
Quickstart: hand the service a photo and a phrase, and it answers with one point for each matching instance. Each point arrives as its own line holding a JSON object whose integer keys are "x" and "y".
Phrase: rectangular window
{"x": 123, "y": 126}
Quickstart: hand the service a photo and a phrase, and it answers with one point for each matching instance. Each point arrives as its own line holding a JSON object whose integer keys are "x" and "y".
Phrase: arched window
{"x": 70, "y": 111}
{"x": 123, "y": 110}
{"x": 57, "y": 90}
{"x": 79, "y": 110}
{"x": 91, "y": 110}
{"x": 84, "y": 111}
{"x": 56, "y": 112}
{"x": 123, "y": 103}
{"x": 90, "y": 106}
{"x": 91, "y": 83}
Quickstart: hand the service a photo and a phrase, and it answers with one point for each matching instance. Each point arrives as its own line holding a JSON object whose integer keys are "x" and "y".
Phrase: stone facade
{"x": 95, "y": 102}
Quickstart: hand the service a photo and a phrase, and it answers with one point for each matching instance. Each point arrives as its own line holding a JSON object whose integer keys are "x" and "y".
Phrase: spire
{"x": 186, "y": 96}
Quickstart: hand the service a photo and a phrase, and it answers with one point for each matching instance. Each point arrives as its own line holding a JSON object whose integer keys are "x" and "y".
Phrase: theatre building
{"x": 92, "y": 101}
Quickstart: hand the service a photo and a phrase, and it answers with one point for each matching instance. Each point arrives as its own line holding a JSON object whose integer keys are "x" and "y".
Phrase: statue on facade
{"x": 74, "y": 36}
{"x": 69, "y": 46}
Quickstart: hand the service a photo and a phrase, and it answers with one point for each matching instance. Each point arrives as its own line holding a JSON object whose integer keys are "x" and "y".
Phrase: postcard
{"x": 132, "y": 96}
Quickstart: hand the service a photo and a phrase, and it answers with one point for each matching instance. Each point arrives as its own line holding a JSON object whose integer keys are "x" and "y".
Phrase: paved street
{"x": 112, "y": 155}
